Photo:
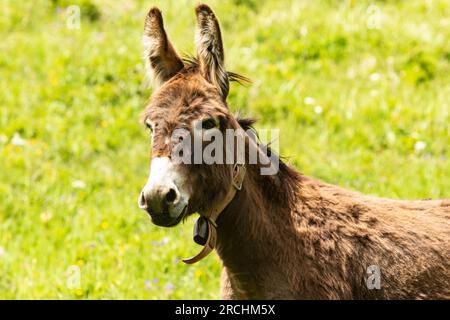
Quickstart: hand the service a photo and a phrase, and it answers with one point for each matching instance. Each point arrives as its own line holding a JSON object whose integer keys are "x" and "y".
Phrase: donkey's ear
{"x": 160, "y": 55}
{"x": 208, "y": 41}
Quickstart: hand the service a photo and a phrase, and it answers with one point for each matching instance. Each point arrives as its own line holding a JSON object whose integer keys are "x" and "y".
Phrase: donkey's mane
{"x": 282, "y": 185}
{"x": 191, "y": 62}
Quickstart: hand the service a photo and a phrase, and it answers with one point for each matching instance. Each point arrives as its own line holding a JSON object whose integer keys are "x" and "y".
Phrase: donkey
{"x": 286, "y": 235}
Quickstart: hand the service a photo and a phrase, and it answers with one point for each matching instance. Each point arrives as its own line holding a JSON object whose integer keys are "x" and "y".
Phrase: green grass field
{"x": 360, "y": 91}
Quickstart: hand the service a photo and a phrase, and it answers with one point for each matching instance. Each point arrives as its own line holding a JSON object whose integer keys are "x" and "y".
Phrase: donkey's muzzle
{"x": 163, "y": 205}
{"x": 159, "y": 198}
{"x": 164, "y": 196}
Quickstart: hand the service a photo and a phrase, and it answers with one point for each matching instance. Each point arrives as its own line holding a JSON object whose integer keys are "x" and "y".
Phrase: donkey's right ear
{"x": 160, "y": 55}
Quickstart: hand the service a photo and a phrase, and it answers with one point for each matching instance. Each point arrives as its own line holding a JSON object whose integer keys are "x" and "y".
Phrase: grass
{"x": 359, "y": 89}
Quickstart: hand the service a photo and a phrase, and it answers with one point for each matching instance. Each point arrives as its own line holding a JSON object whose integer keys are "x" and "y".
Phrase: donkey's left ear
{"x": 208, "y": 41}
{"x": 160, "y": 55}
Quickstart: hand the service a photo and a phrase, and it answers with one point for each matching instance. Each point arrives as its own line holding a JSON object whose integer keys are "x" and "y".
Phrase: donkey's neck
{"x": 254, "y": 226}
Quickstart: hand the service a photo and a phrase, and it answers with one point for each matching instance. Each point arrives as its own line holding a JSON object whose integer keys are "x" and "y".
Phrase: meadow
{"x": 359, "y": 89}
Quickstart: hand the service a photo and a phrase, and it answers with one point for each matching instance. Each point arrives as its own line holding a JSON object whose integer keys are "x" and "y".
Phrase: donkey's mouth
{"x": 165, "y": 220}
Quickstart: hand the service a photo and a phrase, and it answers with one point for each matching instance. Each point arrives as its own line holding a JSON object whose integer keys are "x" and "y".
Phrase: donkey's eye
{"x": 149, "y": 127}
{"x": 209, "y": 124}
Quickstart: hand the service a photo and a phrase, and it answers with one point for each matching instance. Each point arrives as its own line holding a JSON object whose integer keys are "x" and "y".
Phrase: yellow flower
{"x": 80, "y": 262}
{"x": 79, "y": 292}
{"x": 104, "y": 225}
{"x": 53, "y": 79}
{"x": 198, "y": 273}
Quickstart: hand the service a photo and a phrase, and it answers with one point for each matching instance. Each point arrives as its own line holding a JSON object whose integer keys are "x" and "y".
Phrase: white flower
{"x": 2, "y": 251}
{"x": 391, "y": 137}
{"x": 17, "y": 140}
{"x": 419, "y": 146}
{"x": 375, "y": 76}
{"x": 318, "y": 109}
{"x": 309, "y": 100}
{"x": 164, "y": 241}
{"x": 78, "y": 184}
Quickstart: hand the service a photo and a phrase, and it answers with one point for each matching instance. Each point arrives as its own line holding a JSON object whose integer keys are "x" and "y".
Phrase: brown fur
{"x": 316, "y": 240}
{"x": 289, "y": 236}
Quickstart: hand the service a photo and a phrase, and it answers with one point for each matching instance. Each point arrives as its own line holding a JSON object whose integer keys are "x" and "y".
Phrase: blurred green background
{"x": 359, "y": 89}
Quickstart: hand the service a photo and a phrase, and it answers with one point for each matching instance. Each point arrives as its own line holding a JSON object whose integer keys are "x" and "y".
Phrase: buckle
{"x": 238, "y": 175}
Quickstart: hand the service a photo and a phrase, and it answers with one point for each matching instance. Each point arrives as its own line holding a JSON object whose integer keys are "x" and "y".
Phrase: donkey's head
{"x": 189, "y": 99}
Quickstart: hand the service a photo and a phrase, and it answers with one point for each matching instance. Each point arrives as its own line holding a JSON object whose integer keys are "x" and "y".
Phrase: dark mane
{"x": 281, "y": 186}
{"x": 192, "y": 62}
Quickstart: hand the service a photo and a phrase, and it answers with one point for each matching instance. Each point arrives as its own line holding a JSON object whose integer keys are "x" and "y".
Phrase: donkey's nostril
{"x": 142, "y": 202}
{"x": 171, "y": 196}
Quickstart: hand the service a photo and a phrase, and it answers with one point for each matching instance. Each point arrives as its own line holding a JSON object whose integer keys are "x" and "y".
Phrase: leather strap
{"x": 213, "y": 214}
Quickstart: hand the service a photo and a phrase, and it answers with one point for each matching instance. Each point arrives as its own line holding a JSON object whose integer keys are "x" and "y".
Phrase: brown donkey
{"x": 280, "y": 236}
